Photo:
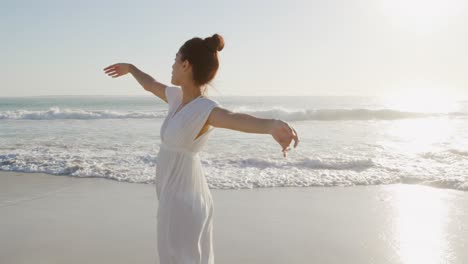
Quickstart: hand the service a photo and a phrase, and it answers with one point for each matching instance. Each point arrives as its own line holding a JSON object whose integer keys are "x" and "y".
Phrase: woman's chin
{"x": 173, "y": 82}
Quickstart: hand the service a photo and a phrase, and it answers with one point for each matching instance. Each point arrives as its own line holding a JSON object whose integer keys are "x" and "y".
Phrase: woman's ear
{"x": 186, "y": 65}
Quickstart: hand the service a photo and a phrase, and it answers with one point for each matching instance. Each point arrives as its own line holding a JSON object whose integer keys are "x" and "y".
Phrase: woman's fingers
{"x": 292, "y": 135}
{"x": 284, "y": 134}
{"x": 283, "y": 140}
{"x": 296, "y": 138}
{"x": 113, "y": 74}
{"x": 113, "y": 68}
{"x": 118, "y": 69}
{"x": 108, "y": 67}
{"x": 113, "y": 71}
{"x": 110, "y": 70}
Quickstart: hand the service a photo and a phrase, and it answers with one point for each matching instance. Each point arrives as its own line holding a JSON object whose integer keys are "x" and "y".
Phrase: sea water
{"x": 343, "y": 141}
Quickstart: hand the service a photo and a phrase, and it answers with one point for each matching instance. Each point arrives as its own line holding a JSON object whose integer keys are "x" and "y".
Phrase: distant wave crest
{"x": 345, "y": 114}
{"x": 57, "y": 113}
{"x": 275, "y": 112}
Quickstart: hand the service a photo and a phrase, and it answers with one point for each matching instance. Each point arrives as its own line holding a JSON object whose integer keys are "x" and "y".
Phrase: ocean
{"x": 344, "y": 141}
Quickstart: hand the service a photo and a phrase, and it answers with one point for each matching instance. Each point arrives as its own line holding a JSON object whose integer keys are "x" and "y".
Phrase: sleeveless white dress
{"x": 185, "y": 210}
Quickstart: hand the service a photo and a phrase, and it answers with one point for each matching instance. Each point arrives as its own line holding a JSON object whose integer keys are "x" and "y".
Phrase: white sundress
{"x": 185, "y": 210}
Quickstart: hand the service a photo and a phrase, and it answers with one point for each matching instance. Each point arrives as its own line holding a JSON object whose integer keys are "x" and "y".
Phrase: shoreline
{"x": 406, "y": 182}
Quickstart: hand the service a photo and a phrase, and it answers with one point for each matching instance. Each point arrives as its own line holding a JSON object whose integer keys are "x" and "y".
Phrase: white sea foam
{"x": 232, "y": 172}
{"x": 444, "y": 155}
{"x": 458, "y": 152}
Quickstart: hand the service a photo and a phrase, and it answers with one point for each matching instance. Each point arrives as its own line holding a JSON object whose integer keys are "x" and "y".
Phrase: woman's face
{"x": 179, "y": 70}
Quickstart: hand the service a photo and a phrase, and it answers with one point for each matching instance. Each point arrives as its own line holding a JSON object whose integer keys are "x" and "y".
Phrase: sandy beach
{"x": 59, "y": 219}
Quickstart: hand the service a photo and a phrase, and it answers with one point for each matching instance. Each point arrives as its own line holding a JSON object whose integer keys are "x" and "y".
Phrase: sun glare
{"x": 421, "y": 101}
{"x": 421, "y": 223}
{"x": 420, "y": 135}
{"x": 422, "y": 16}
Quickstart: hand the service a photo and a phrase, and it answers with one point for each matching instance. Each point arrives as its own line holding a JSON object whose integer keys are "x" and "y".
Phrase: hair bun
{"x": 215, "y": 42}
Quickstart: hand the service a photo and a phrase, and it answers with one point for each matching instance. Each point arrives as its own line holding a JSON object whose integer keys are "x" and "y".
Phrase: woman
{"x": 185, "y": 211}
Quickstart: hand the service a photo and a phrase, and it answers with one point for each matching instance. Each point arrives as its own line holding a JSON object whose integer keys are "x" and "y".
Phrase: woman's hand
{"x": 118, "y": 69}
{"x": 283, "y": 133}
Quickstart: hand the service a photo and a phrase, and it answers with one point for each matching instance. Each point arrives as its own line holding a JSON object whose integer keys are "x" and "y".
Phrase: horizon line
{"x": 233, "y": 95}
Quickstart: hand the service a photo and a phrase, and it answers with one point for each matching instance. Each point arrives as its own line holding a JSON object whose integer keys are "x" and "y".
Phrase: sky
{"x": 405, "y": 48}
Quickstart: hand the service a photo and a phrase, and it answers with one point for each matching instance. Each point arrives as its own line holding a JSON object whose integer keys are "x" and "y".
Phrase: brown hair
{"x": 203, "y": 56}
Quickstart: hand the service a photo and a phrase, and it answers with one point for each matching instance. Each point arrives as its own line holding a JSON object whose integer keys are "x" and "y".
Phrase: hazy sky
{"x": 309, "y": 47}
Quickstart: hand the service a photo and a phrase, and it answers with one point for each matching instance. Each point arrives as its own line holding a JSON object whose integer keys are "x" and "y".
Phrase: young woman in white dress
{"x": 185, "y": 209}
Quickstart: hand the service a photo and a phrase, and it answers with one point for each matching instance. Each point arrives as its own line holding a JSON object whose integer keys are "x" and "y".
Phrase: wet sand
{"x": 59, "y": 219}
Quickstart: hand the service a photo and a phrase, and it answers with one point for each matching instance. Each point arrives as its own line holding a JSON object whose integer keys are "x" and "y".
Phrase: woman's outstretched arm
{"x": 281, "y": 131}
{"x": 145, "y": 80}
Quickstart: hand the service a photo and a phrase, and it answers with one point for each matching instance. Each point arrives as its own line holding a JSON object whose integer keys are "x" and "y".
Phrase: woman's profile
{"x": 185, "y": 211}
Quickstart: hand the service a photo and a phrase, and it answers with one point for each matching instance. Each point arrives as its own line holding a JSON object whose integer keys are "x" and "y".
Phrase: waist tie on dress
{"x": 178, "y": 149}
